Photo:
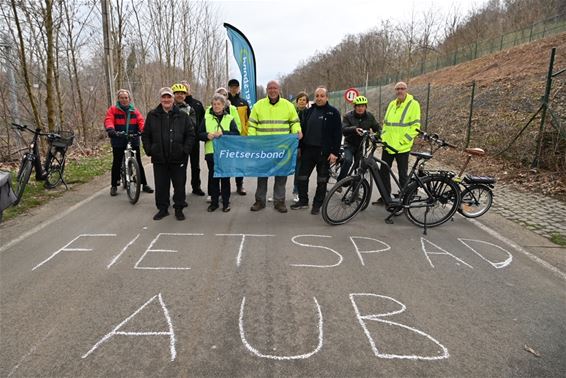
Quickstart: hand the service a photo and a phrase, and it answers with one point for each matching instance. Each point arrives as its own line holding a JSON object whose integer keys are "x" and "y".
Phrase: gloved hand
{"x": 111, "y": 133}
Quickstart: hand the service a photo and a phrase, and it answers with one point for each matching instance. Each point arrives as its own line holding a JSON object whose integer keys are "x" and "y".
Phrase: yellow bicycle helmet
{"x": 360, "y": 100}
{"x": 179, "y": 88}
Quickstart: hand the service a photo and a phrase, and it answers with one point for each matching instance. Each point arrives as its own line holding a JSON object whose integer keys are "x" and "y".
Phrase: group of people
{"x": 172, "y": 132}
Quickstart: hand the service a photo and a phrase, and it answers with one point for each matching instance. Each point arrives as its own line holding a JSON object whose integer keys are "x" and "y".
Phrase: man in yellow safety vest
{"x": 271, "y": 116}
{"x": 400, "y": 124}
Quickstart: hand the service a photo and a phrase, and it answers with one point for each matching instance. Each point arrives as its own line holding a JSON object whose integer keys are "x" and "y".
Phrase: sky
{"x": 284, "y": 33}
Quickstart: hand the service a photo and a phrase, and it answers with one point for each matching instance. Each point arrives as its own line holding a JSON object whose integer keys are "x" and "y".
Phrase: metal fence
{"x": 538, "y": 30}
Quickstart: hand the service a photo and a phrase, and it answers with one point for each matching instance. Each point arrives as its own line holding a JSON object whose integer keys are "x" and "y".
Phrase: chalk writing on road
{"x": 488, "y": 252}
{"x": 376, "y": 315}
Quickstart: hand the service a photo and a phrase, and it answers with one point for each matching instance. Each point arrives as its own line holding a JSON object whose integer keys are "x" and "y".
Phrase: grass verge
{"x": 558, "y": 239}
{"x": 78, "y": 170}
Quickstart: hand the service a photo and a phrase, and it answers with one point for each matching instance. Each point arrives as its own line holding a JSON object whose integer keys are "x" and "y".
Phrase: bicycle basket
{"x": 63, "y": 139}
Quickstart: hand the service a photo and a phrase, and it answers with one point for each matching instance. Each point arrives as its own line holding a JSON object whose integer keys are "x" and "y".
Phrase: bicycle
{"x": 475, "y": 191}
{"x": 434, "y": 194}
{"x": 54, "y": 161}
{"x": 130, "y": 169}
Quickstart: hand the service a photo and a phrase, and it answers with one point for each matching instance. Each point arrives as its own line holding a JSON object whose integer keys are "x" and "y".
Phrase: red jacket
{"x": 116, "y": 119}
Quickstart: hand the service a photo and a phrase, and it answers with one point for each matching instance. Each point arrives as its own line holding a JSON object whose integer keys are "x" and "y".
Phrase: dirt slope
{"x": 509, "y": 88}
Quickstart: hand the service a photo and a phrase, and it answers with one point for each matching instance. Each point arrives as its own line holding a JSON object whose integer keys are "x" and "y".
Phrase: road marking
{"x": 65, "y": 249}
{"x": 518, "y": 248}
{"x": 378, "y": 318}
{"x": 41, "y": 226}
{"x": 170, "y": 332}
{"x": 271, "y": 356}
{"x": 241, "y": 249}
{"x": 30, "y": 352}
{"x": 122, "y": 251}
{"x": 293, "y": 239}
{"x": 387, "y": 247}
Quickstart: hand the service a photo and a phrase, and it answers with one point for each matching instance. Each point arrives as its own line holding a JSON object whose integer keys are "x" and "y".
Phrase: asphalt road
{"x": 103, "y": 290}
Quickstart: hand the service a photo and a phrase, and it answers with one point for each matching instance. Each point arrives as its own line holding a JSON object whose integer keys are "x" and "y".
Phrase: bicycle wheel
{"x": 22, "y": 180}
{"x": 436, "y": 208}
{"x": 344, "y": 200}
{"x": 54, "y": 168}
{"x": 123, "y": 174}
{"x": 133, "y": 184}
{"x": 368, "y": 178}
{"x": 476, "y": 201}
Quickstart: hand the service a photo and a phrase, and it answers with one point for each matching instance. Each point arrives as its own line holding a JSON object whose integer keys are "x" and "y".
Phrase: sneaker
{"x": 299, "y": 206}
{"x": 270, "y": 199}
{"x": 315, "y": 210}
{"x": 113, "y": 191}
{"x": 208, "y": 199}
{"x": 179, "y": 214}
{"x": 241, "y": 191}
{"x": 212, "y": 208}
{"x": 198, "y": 192}
{"x": 160, "y": 214}
{"x": 257, "y": 206}
{"x": 147, "y": 189}
{"x": 379, "y": 202}
{"x": 226, "y": 209}
{"x": 280, "y": 206}
{"x": 295, "y": 197}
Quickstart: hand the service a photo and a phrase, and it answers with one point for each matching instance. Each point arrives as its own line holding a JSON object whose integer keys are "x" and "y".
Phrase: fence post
{"x": 476, "y": 50}
{"x": 427, "y": 105}
{"x": 536, "y": 158}
{"x": 531, "y": 33}
{"x": 469, "y": 128}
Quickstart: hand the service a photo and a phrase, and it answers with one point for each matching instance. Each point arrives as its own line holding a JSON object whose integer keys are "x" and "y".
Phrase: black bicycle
{"x": 476, "y": 195}
{"x": 427, "y": 201}
{"x": 54, "y": 161}
{"x": 130, "y": 169}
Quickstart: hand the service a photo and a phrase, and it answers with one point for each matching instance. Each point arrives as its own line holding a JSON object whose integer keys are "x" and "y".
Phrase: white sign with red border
{"x": 351, "y": 94}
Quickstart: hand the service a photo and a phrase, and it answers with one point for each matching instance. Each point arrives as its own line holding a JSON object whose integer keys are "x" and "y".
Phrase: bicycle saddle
{"x": 474, "y": 151}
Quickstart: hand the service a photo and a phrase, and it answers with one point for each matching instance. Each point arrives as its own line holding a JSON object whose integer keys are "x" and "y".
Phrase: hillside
{"x": 509, "y": 88}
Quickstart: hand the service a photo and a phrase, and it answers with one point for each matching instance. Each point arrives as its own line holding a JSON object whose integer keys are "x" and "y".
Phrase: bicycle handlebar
{"x": 375, "y": 139}
{"x": 36, "y": 131}
{"x": 128, "y": 135}
{"x": 435, "y": 138}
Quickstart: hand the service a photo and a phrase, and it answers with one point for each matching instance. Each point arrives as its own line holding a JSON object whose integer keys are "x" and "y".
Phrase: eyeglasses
{"x": 400, "y": 89}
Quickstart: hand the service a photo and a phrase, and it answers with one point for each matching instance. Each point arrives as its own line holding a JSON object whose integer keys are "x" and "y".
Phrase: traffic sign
{"x": 351, "y": 94}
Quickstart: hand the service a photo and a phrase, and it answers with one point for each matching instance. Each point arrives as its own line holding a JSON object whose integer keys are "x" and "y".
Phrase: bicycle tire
{"x": 23, "y": 178}
{"x": 436, "y": 209}
{"x": 344, "y": 200}
{"x": 368, "y": 197}
{"x": 475, "y": 201}
{"x": 133, "y": 185}
{"x": 54, "y": 168}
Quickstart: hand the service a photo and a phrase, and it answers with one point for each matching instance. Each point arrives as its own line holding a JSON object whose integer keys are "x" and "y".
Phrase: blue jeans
{"x": 347, "y": 160}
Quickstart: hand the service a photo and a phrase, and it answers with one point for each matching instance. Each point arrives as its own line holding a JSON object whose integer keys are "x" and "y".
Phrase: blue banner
{"x": 255, "y": 156}
{"x": 245, "y": 57}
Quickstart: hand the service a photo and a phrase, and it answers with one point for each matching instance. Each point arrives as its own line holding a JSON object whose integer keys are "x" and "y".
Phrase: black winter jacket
{"x": 352, "y": 121}
{"x": 168, "y": 138}
{"x": 331, "y": 128}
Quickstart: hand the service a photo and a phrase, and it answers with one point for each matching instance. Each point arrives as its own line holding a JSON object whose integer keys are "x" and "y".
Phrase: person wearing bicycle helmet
{"x": 180, "y": 94}
{"x": 400, "y": 127}
{"x": 354, "y": 124}
{"x": 197, "y": 116}
{"x": 124, "y": 117}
